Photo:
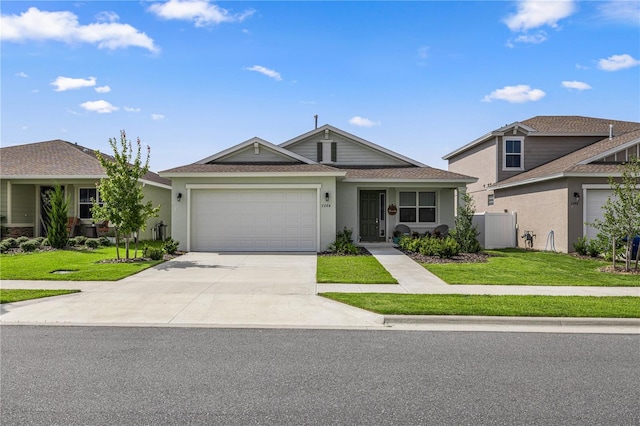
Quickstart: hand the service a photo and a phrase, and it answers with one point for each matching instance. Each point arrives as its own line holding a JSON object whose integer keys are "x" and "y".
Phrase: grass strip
{"x": 352, "y": 270}
{"x": 521, "y": 267}
{"x": 489, "y": 305}
{"x": 18, "y": 295}
{"x": 76, "y": 265}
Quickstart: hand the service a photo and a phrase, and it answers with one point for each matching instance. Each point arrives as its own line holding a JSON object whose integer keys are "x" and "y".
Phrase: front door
{"x": 44, "y": 206}
{"x": 370, "y": 216}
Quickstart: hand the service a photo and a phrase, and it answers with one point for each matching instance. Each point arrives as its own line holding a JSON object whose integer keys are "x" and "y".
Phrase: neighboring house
{"x": 551, "y": 171}
{"x": 28, "y": 171}
{"x": 257, "y": 196}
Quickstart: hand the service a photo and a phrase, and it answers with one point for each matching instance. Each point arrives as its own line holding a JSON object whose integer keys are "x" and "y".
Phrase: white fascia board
{"x": 433, "y": 181}
{"x": 555, "y": 176}
{"x": 254, "y": 174}
{"x": 611, "y": 151}
{"x": 152, "y": 183}
{"x": 471, "y": 144}
{"x": 253, "y": 186}
{"x": 354, "y": 138}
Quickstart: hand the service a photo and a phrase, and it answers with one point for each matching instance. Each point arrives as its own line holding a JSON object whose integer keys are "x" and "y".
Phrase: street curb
{"x": 482, "y": 320}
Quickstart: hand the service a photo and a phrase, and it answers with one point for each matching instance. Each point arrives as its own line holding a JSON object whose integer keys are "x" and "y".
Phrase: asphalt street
{"x": 152, "y": 375}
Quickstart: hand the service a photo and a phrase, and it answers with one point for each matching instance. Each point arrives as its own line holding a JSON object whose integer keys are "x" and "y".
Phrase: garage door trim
{"x": 191, "y": 186}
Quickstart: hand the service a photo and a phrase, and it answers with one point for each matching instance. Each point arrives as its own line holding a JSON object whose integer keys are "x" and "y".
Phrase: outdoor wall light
{"x": 326, "y": 196}
{"x": 179, "y": 197}
{"x": 576, "y": 196}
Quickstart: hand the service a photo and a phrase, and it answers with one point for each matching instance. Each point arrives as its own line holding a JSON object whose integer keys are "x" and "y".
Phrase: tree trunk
{"x": 117, "y": 244}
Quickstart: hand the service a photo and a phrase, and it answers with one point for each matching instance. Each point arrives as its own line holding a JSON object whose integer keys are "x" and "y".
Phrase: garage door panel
{"x": 254, "y": 220}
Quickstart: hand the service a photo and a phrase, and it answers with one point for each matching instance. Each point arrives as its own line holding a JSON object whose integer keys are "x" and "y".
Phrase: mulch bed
{"x": 361, "y": 252}
{"x": 461, "y": 258}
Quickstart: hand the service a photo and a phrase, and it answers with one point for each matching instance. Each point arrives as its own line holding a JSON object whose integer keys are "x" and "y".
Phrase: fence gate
{"x": 497, "y": 230}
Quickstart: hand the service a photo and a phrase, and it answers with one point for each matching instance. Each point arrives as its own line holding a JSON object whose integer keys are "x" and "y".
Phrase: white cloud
{"x": 107, "y": 17}
{"x": 621, "y": 11}
{"x": 35, "y": 24}
{"x": 363, "y": 122}
{"x": 130, "y": 109}
{"x": 68, "y": 83}
{"x": 157, "y": 117}
{"x": 103, "y": 89}
{"x": 515, "y": 94}
{"x": 618, "y": 62}
{"x": 537, "y": 13}
{"x": 577, "y": 85}
{"x": 22, "y": 74}
{"x": 202, "y": 12}
{"x": 101, "y": 107}
{"x": 266, "y": 71}
{"x": 537, "y": 38}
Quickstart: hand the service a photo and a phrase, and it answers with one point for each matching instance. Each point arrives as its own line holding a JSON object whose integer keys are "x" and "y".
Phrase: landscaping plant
{"x": 344, "y": 243}
{"x": 121, "y": 192}
{"x": 465, "y": 233}
{"x": 57, "y": 209}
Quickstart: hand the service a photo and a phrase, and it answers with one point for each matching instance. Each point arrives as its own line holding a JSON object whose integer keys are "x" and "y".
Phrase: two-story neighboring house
{"x": 551, "y": 171}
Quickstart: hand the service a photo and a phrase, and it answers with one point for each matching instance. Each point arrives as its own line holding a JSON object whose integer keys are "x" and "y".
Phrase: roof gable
{"x": 590, "y": 160}
{"x": 255, "y": 150}
{"x": 351, "y": 150}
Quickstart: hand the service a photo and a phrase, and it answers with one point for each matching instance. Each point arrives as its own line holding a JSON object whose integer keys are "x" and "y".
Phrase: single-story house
{"x": 28, "y": 171}
{"x": 552, "y": 172}
{"x": 258, "y": 196}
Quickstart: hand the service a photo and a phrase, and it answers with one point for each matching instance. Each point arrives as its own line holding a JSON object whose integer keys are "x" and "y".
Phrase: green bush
{"x": 12, "y": 242}
{"x": 57, "y": 210}
{"x": 430, "y": 246}
{"x": 92, "y": 243}
{"x": 4, "y": 246}
{"x": 29, "y": 245}
{"x": 80, "y": 240}
{"x": 21, "y": 240}
{"x": 170, "y": 246}
{"x": 39, "y": 239}
{"x": 343, "y": 243}
{"x": 581, "y": 246}
{"x": 104, "y": 241}
{"x": 45, "y": 243}
{"x": 72, "y": 242}
{"x": 153, "y": 253}
{"x": 448, "y": 248}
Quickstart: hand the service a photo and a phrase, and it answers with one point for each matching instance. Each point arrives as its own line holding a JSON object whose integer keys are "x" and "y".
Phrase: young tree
{"x": 465, "y": 233}
{"x": 121, "y": 192}
{"x": 621, "y": 220}
{"x": 57, "y": 209}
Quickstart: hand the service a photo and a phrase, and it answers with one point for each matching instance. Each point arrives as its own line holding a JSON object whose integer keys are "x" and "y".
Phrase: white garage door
{"x": 595, "y": 200}
{"x": 254, "y": 220}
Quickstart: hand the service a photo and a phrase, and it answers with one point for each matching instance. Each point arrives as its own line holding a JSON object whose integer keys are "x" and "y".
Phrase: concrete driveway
{"x": 205, "y": 289}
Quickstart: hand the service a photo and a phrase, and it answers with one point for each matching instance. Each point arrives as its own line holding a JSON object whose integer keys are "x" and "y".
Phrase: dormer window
{"x": 513, "y": 153}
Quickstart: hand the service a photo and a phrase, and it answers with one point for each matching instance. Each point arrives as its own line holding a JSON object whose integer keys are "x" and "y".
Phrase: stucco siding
{"x": 540, "y": 209}
{"x": 158, "y": 197}
{"x": 478, "y": 162}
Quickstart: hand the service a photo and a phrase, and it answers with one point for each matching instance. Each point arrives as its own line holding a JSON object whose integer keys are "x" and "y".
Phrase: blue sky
{"x": 191, "y": 78}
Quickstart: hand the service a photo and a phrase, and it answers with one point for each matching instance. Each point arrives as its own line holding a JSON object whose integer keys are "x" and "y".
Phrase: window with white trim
{"x": 513, "y": 158}
{"x": 417, "y": 206}
{"x": 85, "y": 203}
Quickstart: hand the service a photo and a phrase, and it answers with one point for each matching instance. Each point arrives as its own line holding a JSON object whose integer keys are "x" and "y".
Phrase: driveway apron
{"x": 216, "y": 289}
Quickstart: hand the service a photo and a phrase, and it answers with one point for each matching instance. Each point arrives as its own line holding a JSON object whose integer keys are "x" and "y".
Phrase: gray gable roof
{"x": 574, "y": 163}
{"x": 556, "y": 125}
{"x": 56, "y": 158}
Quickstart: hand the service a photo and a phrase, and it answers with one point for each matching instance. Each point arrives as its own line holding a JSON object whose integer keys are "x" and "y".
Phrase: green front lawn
{"x": 486, "y": 305}
{"x": 10, "y": 295}
{"x": 521, "y": 267}
{"x": 352, "y": 270}
{"x": 77, "y": 265}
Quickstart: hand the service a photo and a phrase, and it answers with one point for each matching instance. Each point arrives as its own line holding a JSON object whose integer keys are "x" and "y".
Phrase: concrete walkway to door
{"x": 216, "y": 289}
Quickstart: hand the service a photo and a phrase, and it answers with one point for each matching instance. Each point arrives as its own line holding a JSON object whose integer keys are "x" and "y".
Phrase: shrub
{"x": 344, "y": 243}
{"x": 39, "y": 239}
{"x": 465, "y": 232}
{"x": 80, "y": 240}
{"x": 152, "y": 253}
{"x": 72, "y": 242}
{"x": 92, "y": 243}
{"x": 431, "y": 246}
{"x": 45, "y": 243}
{"x": 57, "y": 219}
{"x": 581, "y": 246}
{"x": 4, "y": 247}
{"x": 12, "y": 242}
{"x": 21, "y": 240}
{"x": 170, "y": 246}
{"x": 448, "y": 248}
{"x": 104, "y": 241}
{"x": 29, "y": 245}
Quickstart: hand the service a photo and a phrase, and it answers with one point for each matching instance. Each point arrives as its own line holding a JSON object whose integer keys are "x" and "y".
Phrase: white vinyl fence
{"x": 497, "y": 230}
